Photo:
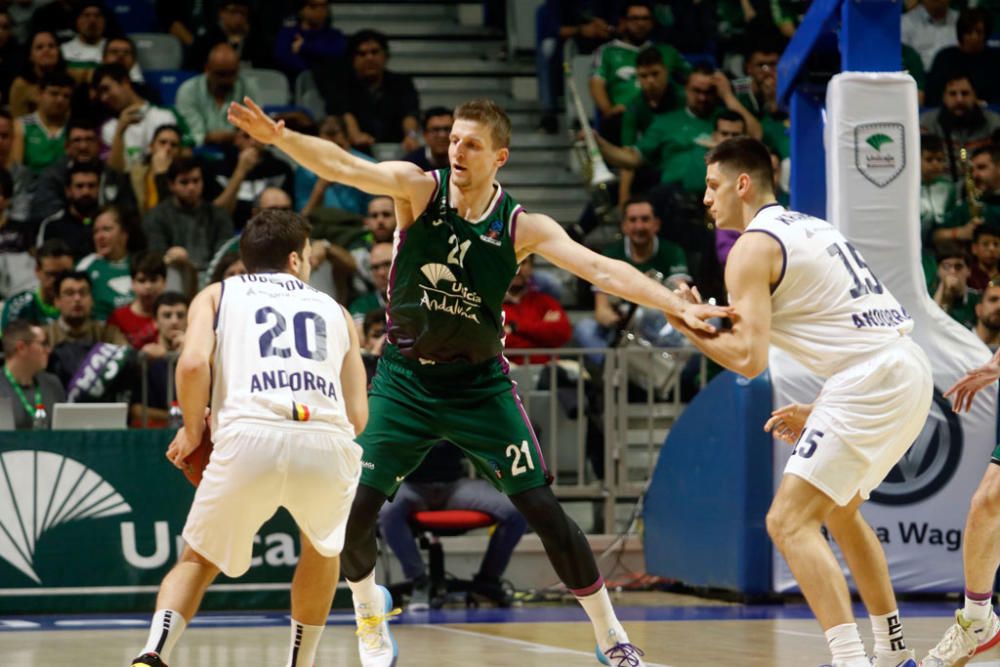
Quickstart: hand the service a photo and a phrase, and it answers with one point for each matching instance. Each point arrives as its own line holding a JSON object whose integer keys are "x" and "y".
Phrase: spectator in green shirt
{"x": 38, "y": 305}
{"x": 381, "y": 262}
{"x": 959, "y": 223}
{"x": 40, "y": 137}
{"x": 937, "y": 198}
{"x": 678, "y": 141}
{"x": 761, "y": 99}
{"x": 117, "y": 234}
{"x": 641, "y": 247}
{"x": 658, "y": 95}
{"x": 951, "y": 289}
{"x": 613, "y": 84}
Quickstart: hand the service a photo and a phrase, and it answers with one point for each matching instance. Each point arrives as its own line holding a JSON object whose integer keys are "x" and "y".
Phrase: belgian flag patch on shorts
{"x": 300, "y": 412}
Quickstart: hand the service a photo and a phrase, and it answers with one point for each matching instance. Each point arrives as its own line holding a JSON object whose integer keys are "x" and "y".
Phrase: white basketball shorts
{"x": 255, "y": 469}
{"x": 865, "y": 419}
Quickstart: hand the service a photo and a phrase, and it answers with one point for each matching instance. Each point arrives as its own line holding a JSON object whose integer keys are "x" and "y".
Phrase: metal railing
{"x": 637, "y": 391}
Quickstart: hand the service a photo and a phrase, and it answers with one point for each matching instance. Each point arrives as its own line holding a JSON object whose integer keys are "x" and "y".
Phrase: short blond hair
{"x": 488, "y": 113}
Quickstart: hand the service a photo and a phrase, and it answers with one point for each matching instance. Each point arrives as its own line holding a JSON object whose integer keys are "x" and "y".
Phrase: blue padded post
{"x": 704, "y": 512}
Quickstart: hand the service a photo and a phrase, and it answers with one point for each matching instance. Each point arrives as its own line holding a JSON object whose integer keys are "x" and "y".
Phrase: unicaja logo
{"x": 41, "y": 490}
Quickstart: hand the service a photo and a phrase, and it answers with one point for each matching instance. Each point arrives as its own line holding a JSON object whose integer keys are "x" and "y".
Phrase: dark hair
{"x": 373, "y": 317}
{"x": 80, "y": 123}
{"x": 18, "y": 331}
{"x": 28, "y": 70}
{"x": 83, "y": 6}
{"x": 129, "y": 223}
{"x": 931, "y": 143}
{"x": 488, "y": 113}
{"x": 169, "y": 299}
{"x": 958, "y": 74}
{"x": 148, "y": 263}
{"x": 969, "y": 17}
{"x": 991, "y": 150}
{"x": 435, "y": 112}
{"x": 366, "y": 35}
{"x": 987, "y": 229}
{"x": 649, "y": 56}
{"x": 182, "y": 165}
{"x": 6, "y": 183}
{"x": 56, "y": 79}
{"x": 746, "y": 155}
{"x": 52, "y": 248}
{"x": 223, "y": 265}
{"x": 80, "y": 276}
{"x": 767, "y": 43}
{"x": 638, "y": 199}
{"x": 169, "y": 127}
{"x": 732, "y": 117}
{"x": 952, "y": 251}
{"x": 118, "y": 38}
{"x": 270, "y": 237}
{"x": 115, "y": 71}
{"x": 702, "y": 68}
{"x": 6, "y": 115}
{"x": 83, "y": 167}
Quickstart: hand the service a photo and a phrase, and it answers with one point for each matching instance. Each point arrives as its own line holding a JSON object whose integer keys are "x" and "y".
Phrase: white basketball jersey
{"x": 828, "y": 310}
{"x": 280, "y": 345}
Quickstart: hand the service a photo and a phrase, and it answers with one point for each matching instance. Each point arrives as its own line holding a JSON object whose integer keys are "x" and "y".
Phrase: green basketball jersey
{"x": 41, "y": 148}
{"x": 448, "y": 279}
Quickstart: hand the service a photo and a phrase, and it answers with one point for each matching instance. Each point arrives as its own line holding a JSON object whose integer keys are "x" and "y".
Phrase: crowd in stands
{"x": 120, "y": 197}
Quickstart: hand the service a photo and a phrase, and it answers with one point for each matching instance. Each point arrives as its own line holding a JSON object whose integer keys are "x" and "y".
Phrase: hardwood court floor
{"x": 674, "y": 636}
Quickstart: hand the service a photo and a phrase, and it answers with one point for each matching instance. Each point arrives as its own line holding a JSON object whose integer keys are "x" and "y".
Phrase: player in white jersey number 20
{"x": 287, "y": 399}
{"x": 796, "y": 282}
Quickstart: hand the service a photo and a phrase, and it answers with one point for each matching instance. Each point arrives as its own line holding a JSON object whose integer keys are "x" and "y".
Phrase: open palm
{"x": 252, "y": 120}
{"x": 973, "y": 382}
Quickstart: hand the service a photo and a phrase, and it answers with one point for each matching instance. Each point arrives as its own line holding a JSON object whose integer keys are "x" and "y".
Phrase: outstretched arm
{"x": 749, "y": 269}
{"x": 399, "y": 180}
{"x": 963, "y": 391}
{"x": 541, "y": 234}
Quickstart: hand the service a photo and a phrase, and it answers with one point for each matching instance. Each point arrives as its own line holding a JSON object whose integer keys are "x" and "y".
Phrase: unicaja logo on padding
{"x": 41, "y": 490}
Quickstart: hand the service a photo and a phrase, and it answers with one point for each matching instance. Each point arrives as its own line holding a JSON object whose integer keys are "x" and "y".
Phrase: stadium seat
{"x": 307, "y": 95}
{"x": 156, "y": 50}
{"x": 272, "y": 86}
{"x": 134, "y": 16}
{"x": 166, "y": 82}
{"x": 429, "y": 527}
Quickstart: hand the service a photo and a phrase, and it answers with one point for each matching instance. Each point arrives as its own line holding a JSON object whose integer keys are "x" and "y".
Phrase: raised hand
{"x": 972, "y": 383}
{"x": 786, "y": 423}
{"x": 252, "y": 120}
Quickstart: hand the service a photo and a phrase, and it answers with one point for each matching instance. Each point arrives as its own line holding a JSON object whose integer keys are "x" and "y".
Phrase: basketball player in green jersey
{"x": 442, "y": 374}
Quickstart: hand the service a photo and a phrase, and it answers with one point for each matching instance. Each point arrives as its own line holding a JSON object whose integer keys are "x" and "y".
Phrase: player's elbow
{"x": 752, "y": 364}
{"x": 191, "y": 366}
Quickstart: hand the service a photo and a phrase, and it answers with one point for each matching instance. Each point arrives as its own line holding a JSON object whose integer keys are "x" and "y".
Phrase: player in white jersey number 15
{"x": 282, "y": 364}
{"x": 796, "y": 282}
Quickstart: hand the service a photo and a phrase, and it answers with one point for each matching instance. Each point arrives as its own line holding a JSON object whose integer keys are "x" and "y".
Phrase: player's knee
{"x": 986, "y": 501}
{"x": 780, "y": 526}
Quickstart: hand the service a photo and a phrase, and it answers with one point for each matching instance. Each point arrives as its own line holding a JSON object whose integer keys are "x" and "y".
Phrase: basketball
{"x": 194, "y": 464}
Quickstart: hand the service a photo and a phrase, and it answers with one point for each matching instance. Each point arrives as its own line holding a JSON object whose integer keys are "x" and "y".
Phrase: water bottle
{"x": 176, "y": 418}
{"x": 41, "y": 419}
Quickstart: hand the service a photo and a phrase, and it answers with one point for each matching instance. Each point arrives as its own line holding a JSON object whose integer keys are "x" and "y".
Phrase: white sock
{"x": 888, "y": 631}
{"x": 305, "y": 641}
{"x": 164, "y": 631}
{"x": 977, "y": 606}
{"x": 367, "y": 597}
{"x": 607, "y": 628}
{"x": 845, "y": 645}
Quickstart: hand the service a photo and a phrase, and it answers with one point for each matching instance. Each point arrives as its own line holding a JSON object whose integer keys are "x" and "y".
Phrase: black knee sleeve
{"x": 360, "y": 549}
{"x": 564, "y": 542}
